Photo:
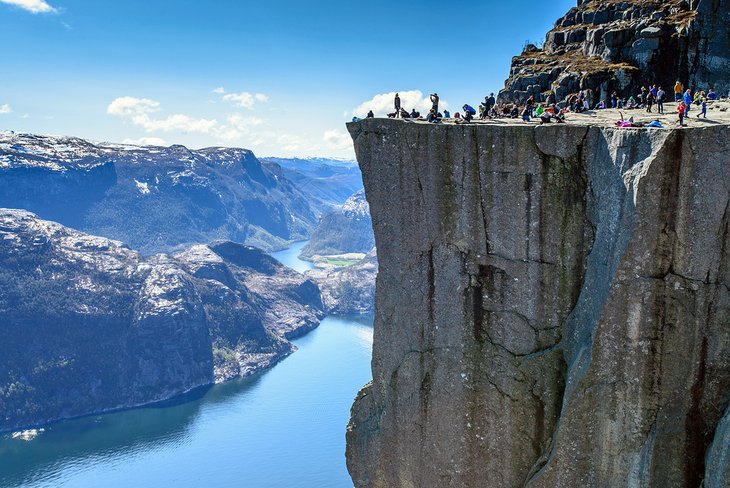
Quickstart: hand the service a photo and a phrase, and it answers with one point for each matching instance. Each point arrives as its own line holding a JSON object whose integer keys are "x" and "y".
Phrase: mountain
{"x": 331, "y": 181}
{"x": 156, "y": 199}
{"x": 606, "y": 46}
{"x": 347, "y": 229}
{"x": 89, "y": 325}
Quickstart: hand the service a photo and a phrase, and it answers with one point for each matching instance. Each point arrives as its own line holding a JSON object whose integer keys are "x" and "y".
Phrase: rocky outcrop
{"x": 348, "y": 290}
{"x": 89, "y": 325}
{"x": 619, "y": 45}
{"x": 345, "y": 230}
{"x": 552, "y": 306}
{"x": 156, "y": 199}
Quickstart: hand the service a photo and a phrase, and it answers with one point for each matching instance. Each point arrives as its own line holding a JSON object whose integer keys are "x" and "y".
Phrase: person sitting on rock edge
{"x": 370, "y": 115}
{"x": 447, "y": 115}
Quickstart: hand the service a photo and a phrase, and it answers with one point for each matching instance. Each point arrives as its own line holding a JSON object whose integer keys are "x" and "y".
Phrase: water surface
{"x": 282, "y": 428}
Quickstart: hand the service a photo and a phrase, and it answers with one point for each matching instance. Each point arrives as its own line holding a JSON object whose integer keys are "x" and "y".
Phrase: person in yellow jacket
{"x": 678, "y": 89}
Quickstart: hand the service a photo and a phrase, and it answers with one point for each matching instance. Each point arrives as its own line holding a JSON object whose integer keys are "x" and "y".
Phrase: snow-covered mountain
{"x": 156, "y": 199}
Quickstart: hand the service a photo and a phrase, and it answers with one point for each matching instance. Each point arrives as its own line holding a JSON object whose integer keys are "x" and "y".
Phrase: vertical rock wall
{"x": 551, "y": 307}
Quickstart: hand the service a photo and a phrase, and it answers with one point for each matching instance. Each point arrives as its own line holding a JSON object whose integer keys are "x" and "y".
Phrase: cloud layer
{"x": 33, "y": 6}
{"x": 382, "y": 104}
{"x": 5, "y": 109}
{"x": 139, "y": 110}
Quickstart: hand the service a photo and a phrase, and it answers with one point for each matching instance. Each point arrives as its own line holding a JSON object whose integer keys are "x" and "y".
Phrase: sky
{"x": 279, "y": 77}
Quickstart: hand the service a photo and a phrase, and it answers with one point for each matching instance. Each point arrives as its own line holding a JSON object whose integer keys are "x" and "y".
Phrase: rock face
{"x": 346, "y": 230}
{"x": 89, "y": 325}
{"x": 619, "y": 45}
{"x": 552, "y": 307}
{"x": 349, "y": 290}
{"x": 156, "y": 199}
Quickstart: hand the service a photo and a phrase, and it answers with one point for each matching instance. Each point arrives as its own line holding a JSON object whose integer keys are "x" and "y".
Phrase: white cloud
{"x": 243, "y": 99}
{"x": 5, "y": 109}
{"x": 292, "y": 143}
{"x": 337, "y": 139}
{"x": 245, "y": 124}
{"x": 383, "y": 103}
{"x": 139, "y": 110}
{"x": 146, "y": 141}
{"x": 33, "y": 6}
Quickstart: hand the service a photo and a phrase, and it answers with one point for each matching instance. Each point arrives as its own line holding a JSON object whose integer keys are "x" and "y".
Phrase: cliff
{"x": 156, "y": 199}
{"x": 620, "y": 45}
{"x": 551, "y": 309}
{"x": 344, "y": 230}
{"x": 89, "y": 325}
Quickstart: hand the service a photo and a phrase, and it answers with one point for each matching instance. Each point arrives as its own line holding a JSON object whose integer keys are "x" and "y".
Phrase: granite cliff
{"x": 552, "y": 307}
{"x": 619, "y": 45}
{"x": 89, "y": 325}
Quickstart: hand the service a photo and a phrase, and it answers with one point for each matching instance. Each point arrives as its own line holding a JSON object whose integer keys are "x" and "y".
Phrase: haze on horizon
{"x": 278, "y": 77}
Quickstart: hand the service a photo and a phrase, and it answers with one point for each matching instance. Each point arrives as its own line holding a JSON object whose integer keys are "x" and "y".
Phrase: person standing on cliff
{"x": 687, "y": 101}
{"x": 490, "y": 102}
{"x": 435, "y": 103}
{"x": 703, "y": 108}
{"x": 678, "y": 89}
{"x": 397, "y": 105}
{"x": 681, "y": 109}
{"x": 660, "y": 96}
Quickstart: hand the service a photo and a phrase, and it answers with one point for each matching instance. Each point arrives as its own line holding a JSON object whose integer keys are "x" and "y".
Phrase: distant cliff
{"x": 156, "y": 199}
{"x": 89, "y": 325}
{"x": 552, "y": 307}
{"x": 620, "y": 45}
{"x": 344, "y": 230}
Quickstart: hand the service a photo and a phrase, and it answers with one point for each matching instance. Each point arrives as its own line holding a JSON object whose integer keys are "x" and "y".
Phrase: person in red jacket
{"x": 681, "y": 108}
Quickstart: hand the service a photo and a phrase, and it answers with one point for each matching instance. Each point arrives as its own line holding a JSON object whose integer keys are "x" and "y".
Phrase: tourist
{"x": 660, "y": 96}
{"x": 469, "y": 112}
{"x": 711, "y": 95}
{"x": 447, "y": 115}
{"x": 482, "y": 111}
{"x": 370, "y": 115}
{"x": 678, "y": 89}
{"x": 614, "y": 100}
{"x": 396, "y": 102}
{"x": 514, "y": 113}
{"x": 435, "y": 103}
{"x": 601, "y": 105}
{"x": 432, "y": 116}
{"x": 687, "y": 101}
{"x": 491, "y": 102}
{"x": 654, "y": 91}
{"x": 414, "y": 114}
{"x": 526, "y": 113}
{"x": 703, "y": 108}
{"x": 649, "y": 101}
{"x": 681, "y": 111}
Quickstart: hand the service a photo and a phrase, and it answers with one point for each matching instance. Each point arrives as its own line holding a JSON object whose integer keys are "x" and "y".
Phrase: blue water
{"x": 282, "y": 428}
{"x": 290, "y": 257}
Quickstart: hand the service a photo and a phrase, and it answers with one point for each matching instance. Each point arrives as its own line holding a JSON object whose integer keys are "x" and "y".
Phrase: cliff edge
{"x": 551, "y": 309}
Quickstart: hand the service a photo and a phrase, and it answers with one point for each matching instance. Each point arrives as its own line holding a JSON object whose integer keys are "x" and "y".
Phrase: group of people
{"x": 647, "y": 98}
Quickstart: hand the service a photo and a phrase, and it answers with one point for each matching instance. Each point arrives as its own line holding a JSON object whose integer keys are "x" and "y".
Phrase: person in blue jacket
{"x": 687, "y": 101}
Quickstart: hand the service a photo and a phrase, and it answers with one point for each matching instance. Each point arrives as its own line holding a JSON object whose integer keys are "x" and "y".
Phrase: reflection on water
{"x": 282, "y": 428}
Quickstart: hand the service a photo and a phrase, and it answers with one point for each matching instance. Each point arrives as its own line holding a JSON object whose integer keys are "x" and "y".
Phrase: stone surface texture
{"x": 552, "y": 307}
{"x": 620, "y": 45}
{"x": 88, "y": 325}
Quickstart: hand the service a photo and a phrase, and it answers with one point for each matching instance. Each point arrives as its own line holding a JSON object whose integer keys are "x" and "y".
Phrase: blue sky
{"x": 280, "y": 77}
